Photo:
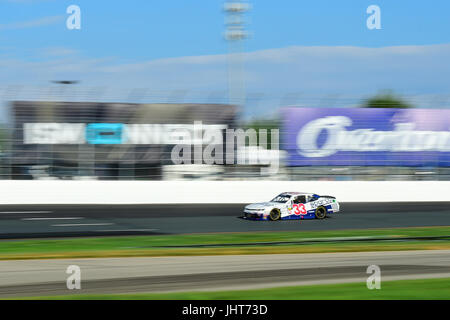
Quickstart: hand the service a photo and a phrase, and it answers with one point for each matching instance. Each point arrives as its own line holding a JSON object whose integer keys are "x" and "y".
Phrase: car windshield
{"x": 282, "y": 198}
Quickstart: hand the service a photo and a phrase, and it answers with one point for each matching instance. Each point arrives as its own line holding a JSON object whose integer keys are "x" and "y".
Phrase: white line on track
{"x": 81, "y": 224}
{"x": 64, "y": 218}
{"x": 26, "y": 211}
{"x": 119, "y": 230}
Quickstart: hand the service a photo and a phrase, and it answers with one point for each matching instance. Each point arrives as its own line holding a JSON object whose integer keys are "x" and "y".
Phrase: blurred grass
{"x": 434, "y": 289}
{"x": 154, "y": 245}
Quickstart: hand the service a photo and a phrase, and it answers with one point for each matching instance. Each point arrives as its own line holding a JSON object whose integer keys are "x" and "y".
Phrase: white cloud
{"x": 26, "y": 1}
{"x": 292, "y": 75}
{"x": 306, "y": 69}
{"x": 57, "y": 52}
{"x": 32, "y": 23}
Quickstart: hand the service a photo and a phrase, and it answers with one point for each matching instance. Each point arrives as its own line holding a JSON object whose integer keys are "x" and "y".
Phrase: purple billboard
{"x": 366, "y": 137}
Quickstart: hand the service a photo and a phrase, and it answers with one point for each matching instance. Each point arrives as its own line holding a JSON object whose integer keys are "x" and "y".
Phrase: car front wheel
{"x": 275, "y": 215}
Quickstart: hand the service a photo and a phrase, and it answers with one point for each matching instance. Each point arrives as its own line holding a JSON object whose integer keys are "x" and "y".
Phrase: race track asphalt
{"x": 22, "y": 278}
{"x": 161, "y": 274}
{"x": 34, "y": 221}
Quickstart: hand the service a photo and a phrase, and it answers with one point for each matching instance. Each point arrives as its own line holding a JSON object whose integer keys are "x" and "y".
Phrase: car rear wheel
{"x": 275, "y": 215}
{"x": 321, "y": 213}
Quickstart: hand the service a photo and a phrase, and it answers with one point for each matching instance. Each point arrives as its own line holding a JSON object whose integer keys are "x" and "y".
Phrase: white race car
{"x": 292, "y": 206}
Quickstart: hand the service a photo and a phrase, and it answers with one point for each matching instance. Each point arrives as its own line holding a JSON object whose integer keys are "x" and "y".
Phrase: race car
{"x": 292, "y": 206}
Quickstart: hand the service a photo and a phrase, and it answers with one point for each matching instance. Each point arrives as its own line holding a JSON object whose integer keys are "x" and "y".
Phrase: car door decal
{"x": 299, "y": 209}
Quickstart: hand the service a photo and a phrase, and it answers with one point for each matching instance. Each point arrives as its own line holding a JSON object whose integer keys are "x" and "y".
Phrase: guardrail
{"x": 184, "y": 192}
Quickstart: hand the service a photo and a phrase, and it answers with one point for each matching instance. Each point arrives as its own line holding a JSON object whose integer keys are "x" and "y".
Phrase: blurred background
{"x": 100, "y": 100}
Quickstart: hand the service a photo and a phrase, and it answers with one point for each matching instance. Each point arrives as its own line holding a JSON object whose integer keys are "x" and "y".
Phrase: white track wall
{"x": 160, "y": 192}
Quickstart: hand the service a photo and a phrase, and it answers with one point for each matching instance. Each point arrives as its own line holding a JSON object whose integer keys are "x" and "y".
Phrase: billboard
{"x": 119, "y": 133}
{"x": 107, "y": 139}
{"x": 366, "y": 137}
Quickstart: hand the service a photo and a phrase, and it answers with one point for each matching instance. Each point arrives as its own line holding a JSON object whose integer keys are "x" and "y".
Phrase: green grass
{"x": 401, "y": 290}
{"x": 154, "y": 245}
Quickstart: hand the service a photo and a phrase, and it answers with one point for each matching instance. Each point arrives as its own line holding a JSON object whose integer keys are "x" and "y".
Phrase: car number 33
{"x": 299, "y": 209}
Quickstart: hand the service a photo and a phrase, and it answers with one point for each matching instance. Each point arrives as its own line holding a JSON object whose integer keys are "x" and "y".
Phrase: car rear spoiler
{"x": 330, "y": 197}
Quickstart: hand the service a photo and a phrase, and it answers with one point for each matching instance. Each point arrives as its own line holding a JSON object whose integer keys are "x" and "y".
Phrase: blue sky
{"x": 149, "y": 29}
{"x": 118, "y": 40}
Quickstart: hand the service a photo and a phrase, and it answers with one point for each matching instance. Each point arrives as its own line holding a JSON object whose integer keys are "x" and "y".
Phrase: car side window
{"x": 300, "y": 199}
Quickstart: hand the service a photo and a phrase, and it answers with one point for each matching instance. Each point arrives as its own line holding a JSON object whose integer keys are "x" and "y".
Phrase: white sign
{"x": 171, "y": 134}
{"x": 54, "y": 133}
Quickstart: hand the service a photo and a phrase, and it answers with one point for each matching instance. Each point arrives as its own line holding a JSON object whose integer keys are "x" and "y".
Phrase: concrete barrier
{"x": 159, "y": 192}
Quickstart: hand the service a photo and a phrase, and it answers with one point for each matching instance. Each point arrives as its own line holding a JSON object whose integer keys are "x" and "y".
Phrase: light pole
{"x": 235, "y": 34}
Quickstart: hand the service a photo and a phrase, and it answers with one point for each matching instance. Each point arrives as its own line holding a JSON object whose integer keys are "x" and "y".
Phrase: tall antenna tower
{"x": 236, "y": 34}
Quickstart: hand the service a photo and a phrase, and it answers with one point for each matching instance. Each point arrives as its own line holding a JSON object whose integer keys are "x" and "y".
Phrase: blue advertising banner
{"x": 104, "y": 133}
{"x": 366, "y": 137}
